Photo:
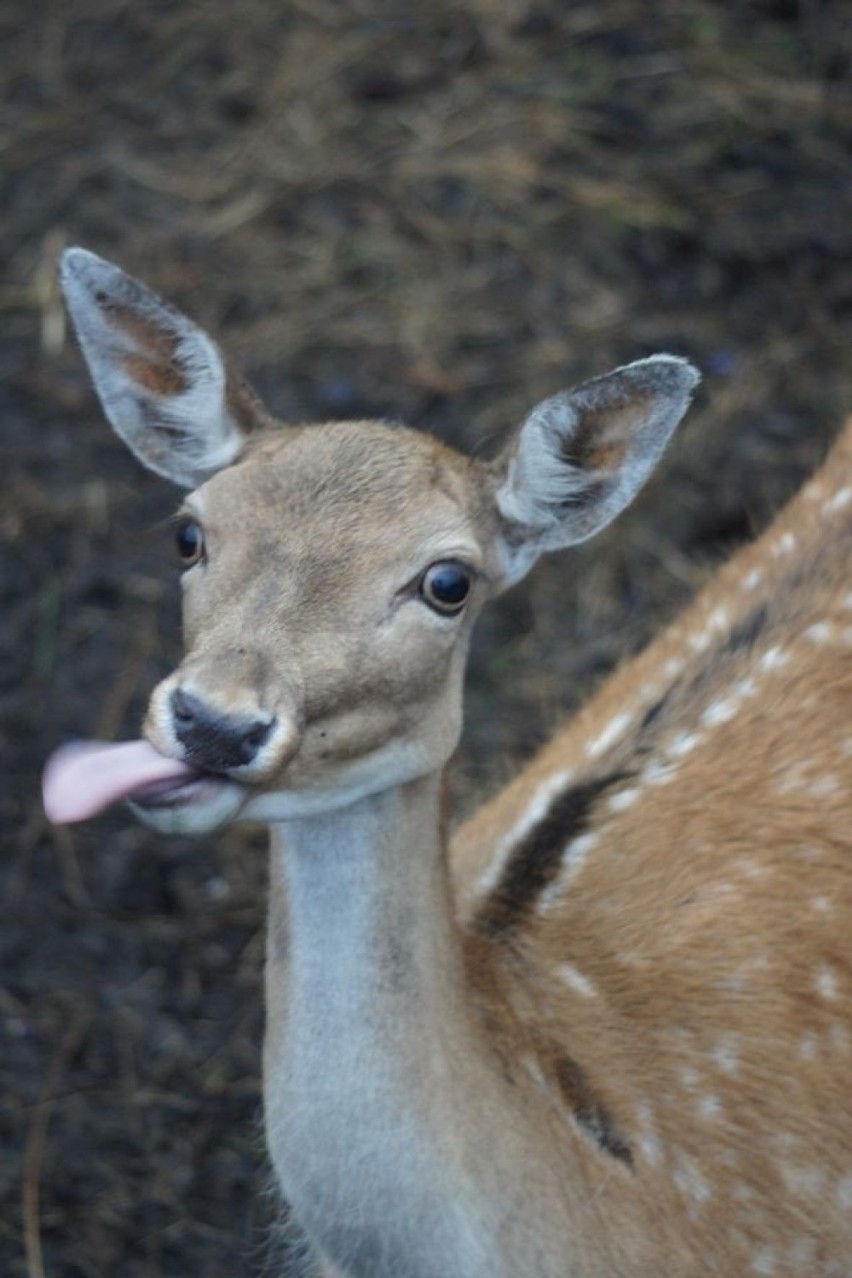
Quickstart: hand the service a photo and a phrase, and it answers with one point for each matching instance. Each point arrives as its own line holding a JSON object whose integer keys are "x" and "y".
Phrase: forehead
{"x": 354, "y": 479}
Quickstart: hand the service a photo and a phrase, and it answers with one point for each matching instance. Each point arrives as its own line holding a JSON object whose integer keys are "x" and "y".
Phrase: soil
{"x": 439, "y": 212}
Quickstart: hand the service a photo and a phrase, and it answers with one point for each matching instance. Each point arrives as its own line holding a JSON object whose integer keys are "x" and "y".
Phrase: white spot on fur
{"x": 821, "y": 905}
{"x": 773, "y": 659}
{"x": 751, "y": 869}
{"x": 709, "y": 1107}
{"x": 658, "y": 774}
{"x": 808, "y": 1046}
{"x": 674, "y": 666}
{"x": 719, "y": 712}
{"x": 690, "y": 1181}
{"x": 688, "y": 1076}
{"x": 819, "y": 632}
{"x": 623, "y": 799}
{"x": 682, "y": 744}
{"x": 826, "y": 983}
{"x": 609, "y": 735}
{"x": 785, "y": 544}
{"x": 718, "y": 619}
{"x": 650, "y": 1148}
{"x": 577, "y": 851}
{"x": 700, "y": 642}
{"x": 745, "y": 688}
{"x": 763, "y": 1261}
{"x": 752, "y": 579}
{"x": 824, "y": 786}
{"x": 573, "y": 859}
{"x": 550, "y": 896}
{"x": 533, "y": 1068}
{"x": 649, "y": 1142}
{"x": 738, "y": 982}
{"x": 807, "y": 852}
{"x": 575, "y": 980}
{"x": 839, "y": 500}
{"x": 846, "y": 602}
{"x": 724, "y": 1055}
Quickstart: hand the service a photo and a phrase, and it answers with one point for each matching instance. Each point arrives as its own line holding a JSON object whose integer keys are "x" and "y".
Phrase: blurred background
{"x": 440, "y": 212}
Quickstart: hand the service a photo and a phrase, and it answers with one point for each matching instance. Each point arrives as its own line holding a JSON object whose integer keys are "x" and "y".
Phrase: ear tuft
{"x": 161, "y": 380}
{"x": 581, "y": 456}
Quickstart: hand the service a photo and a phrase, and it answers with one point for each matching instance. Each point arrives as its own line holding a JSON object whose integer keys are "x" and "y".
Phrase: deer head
{"x": 333, "y": 572}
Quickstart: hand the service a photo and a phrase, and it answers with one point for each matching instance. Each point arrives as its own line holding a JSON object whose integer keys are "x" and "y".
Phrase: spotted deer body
{"x": 669, "y": 889}
{"x": 606, "y": 1032}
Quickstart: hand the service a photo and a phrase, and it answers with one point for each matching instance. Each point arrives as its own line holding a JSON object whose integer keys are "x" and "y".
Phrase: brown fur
{"x": 161, "y": 379}
{"x": 712, "y": 918}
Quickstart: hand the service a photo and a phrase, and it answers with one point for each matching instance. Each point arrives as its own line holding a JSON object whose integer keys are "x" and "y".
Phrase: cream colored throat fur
{"x": 607, "y": 1032}
{"x": 384, "y": 1156}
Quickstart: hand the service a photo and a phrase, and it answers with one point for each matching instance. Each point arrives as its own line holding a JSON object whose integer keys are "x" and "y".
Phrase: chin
{"x": 198, "y": 808}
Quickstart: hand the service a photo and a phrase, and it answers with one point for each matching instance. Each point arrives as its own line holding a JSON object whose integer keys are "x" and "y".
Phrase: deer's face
{"x": 332, "y": 576}
{"x": 333, "y": 572}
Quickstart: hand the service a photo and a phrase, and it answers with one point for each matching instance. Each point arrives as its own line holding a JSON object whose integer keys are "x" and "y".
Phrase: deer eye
{"x": 445, "y": 587}
{"x": 190, "y": 542}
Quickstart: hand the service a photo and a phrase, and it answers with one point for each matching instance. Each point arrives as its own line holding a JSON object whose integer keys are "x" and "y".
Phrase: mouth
{"x": 198, "y": 788}
{"x": 84, "y": 778}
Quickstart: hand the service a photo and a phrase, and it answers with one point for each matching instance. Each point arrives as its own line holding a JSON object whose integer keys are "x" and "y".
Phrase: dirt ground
{"x": 440, "y": 212}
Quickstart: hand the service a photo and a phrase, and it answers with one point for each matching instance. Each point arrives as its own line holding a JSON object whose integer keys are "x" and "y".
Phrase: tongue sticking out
{"x": 84, "y": 777}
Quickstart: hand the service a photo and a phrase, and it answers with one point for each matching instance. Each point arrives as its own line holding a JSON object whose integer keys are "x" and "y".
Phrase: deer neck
{"x": 367, "y": 915}
{"x": 367, "y": 1025}
{"x": 395, "y": 1131}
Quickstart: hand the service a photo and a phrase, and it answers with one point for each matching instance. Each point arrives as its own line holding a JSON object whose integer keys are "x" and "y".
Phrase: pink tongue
{"x": 84, "y": 777}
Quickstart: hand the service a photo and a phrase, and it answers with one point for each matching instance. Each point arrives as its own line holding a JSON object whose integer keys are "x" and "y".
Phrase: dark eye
{"x": 190, "y": 542}
{"x": 445, "y": 587}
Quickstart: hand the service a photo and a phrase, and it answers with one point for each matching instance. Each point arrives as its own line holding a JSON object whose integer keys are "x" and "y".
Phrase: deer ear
{"x": 161, "y": 380}
{"x": 582, "y": 456}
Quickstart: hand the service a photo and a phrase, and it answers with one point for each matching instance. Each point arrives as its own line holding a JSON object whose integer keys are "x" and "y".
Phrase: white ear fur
{"x": 581, "y": 456}
{"x": 160, "y": 378}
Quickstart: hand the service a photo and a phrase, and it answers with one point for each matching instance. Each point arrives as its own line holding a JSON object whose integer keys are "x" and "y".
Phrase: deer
{"x": 603, "y": 1029}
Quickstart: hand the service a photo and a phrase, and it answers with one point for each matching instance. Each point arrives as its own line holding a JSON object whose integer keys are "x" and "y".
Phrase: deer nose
{"x": 212, "y": 739}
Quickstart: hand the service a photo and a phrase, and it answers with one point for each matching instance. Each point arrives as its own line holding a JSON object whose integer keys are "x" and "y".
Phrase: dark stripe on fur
{"x": 535, "y": 861}
{"x": 589, "y": 1110}
{"x": 748, "y": 630}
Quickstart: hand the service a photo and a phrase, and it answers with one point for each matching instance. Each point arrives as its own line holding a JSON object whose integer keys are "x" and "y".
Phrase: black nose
{"x": 213, "y": 740}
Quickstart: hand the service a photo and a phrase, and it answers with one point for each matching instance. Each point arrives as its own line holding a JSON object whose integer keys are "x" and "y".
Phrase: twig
{"x": 35, "y": 1145}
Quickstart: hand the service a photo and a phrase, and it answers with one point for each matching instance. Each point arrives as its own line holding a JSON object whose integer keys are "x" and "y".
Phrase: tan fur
{"x": 711, "y": 919}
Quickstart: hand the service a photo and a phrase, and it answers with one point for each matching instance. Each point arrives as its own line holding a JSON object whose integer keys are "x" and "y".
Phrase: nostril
{"x": 182, "y": 709}
{"x": 257, "y": 735}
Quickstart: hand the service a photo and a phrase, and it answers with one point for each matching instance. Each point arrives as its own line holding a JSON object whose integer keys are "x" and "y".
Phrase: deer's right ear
{"x": 162, "y": 381}
{"x": 582, "y": 456}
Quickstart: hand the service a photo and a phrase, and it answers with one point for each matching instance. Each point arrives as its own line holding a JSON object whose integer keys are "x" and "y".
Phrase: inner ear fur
{"x": 163, "y": 382}
{"x": 582, "y": 455}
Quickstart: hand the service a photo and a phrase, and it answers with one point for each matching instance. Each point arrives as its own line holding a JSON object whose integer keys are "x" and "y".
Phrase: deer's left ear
{"x": 582, "y": 456}
{"x": 161, "y": 380}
